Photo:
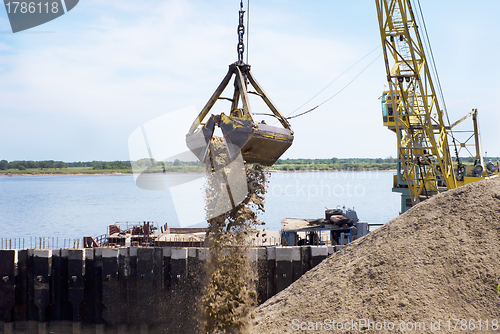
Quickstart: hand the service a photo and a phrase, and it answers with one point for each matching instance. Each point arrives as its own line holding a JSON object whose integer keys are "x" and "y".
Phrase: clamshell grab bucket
{"x": 258, "y": 143}
{"x": 199, "y": 141}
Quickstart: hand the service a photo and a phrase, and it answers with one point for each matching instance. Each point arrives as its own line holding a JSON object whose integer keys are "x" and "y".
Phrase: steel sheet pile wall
{"x": 134, "y": 290}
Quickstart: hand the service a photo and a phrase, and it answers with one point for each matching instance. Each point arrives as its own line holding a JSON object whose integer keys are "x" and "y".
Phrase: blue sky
{"x": 77, "y": 87}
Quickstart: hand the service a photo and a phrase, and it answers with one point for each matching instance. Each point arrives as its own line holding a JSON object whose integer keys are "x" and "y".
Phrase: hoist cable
{"x": 248, "y": 24}
{"x": 334, "y": 80}
{"x": 437, "y": 79}
{"x": 337, "y": 93}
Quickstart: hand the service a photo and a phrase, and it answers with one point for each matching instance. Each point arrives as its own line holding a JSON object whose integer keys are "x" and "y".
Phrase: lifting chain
{"x": 241, "y": 32}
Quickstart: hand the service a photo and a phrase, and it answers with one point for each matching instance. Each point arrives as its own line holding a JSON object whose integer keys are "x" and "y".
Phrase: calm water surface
{"x": 72, "y": 206}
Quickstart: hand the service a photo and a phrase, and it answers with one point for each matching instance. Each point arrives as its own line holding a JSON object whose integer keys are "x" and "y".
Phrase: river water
{"x": 73, "y": 206}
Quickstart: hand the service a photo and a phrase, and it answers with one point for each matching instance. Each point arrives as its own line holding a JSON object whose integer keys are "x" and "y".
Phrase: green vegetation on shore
{"x": 61, "y": 167}
{"x": 177, "y": 166}
{"x": 333, "y": 164}
{"x": 151, "y": 166}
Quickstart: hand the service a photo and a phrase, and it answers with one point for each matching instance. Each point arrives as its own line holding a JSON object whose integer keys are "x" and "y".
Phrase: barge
{"x": 339, "y": 227}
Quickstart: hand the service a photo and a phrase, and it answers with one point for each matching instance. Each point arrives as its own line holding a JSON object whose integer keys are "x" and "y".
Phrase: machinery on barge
{"x": 339, "y": 227}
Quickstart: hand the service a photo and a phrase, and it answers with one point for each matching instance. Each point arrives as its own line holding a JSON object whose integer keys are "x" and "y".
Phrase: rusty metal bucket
{"x": 199, "y": 141}
{"x": 259, "y": 143}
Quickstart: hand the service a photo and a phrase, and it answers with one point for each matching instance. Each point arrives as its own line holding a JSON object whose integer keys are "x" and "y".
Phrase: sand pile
{"x": 229, "y": 295}
{"x": 438, "y": 262}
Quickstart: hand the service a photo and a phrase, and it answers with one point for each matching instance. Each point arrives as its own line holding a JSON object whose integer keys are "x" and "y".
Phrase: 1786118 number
{"x": 31, "y": 7}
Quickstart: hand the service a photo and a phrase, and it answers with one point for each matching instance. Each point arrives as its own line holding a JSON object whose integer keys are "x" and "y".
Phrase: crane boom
{"x": 411, "y": 107}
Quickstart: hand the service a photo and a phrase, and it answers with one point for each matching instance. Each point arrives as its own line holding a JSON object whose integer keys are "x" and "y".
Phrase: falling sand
{"x": 230, "y": 294}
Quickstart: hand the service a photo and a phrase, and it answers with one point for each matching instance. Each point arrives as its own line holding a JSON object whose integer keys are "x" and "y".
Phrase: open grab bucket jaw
{"x": 258, "y": 143}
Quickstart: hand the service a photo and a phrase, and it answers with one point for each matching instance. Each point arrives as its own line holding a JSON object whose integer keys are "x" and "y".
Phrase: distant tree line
{"x": 151, "y": 165}
{"x": 196, "y": 166}
{"x": 22, "y": 165}
{"x": 111, "y": 165}
{"x": 181, "y": 166}
{"x": 336, "y": 164}
{"x": 335, "y": 160}
{"x": 46, "y": 164}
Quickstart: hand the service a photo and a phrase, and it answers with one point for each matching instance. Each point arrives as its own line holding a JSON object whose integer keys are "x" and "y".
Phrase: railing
{"x": 41, "y": 243}
{"x": 270, "y": 241}
{"x": 101, "y": 240}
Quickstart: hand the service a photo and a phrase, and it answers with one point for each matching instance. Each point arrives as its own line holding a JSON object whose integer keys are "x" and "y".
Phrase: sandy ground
{"x": 438, "y": 262}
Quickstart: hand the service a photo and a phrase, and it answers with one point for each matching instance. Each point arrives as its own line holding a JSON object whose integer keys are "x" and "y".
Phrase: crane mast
{"x": 411, "y": 108}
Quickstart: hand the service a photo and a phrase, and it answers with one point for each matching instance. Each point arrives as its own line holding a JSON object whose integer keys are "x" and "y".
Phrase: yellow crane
{"x": 411, "y": 108}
